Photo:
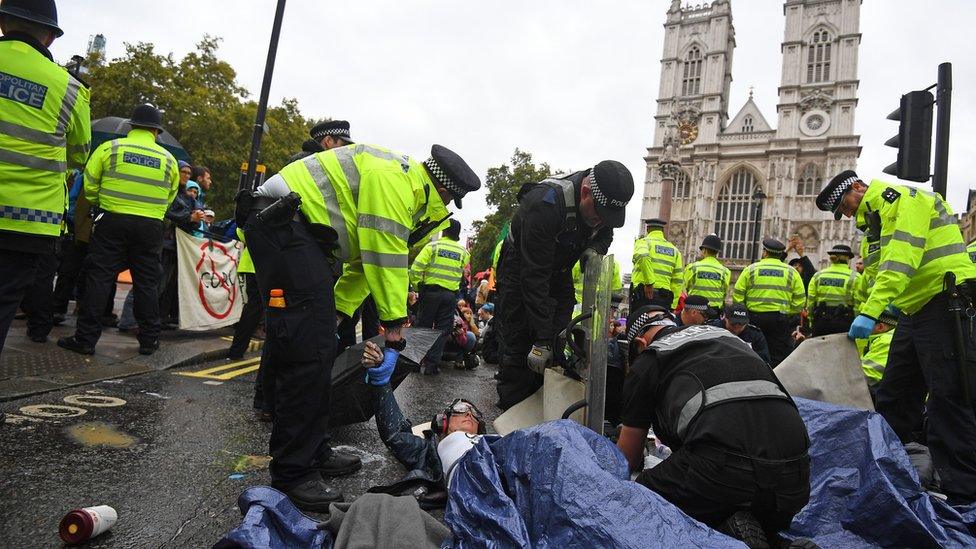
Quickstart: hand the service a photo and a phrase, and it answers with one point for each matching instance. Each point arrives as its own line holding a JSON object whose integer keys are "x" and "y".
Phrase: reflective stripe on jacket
{"x": 440, "y": 263}
{"x": 133, "y": 175}
{"x": 709, "y": 279}
{"x": 769, "y": 285}
{"x": 833, "y": 287}
{"x": 657, "y": 262}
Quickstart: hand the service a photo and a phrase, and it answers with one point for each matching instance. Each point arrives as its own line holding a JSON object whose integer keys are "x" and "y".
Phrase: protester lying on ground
{"x": 739, "y": 461}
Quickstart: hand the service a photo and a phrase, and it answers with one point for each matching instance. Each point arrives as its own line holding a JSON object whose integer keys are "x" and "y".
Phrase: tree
{"x": 204, "y": 108}
{"x": 503, "y": 183}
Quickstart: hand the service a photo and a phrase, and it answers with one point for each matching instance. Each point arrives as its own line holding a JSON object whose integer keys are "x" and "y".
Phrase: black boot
{"x": 744, "y": 526}
{"x": 313, "y": 495}
{"x": 72, "y": 344}
{"x": 148, "y": 347}
{"x": 338, "y": 464}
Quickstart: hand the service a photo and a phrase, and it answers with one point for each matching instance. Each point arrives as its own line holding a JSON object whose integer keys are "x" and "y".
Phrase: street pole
{"x": 758, "y": 196}
{"x": 252, "y": 160}
{"x": 943, "y": 98}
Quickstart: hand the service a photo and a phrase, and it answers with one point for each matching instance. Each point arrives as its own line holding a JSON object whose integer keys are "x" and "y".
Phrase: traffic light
{"x": 914, "y": 139}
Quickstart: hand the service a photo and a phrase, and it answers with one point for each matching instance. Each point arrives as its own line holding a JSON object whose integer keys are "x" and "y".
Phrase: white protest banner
{"x": 209, "y": 293}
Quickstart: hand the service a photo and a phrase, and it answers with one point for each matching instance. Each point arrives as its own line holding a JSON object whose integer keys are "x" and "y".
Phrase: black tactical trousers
{"x": 435, "y": 309}
{"x": 661, "y": 298}
{"x": 778, "y": 329}
{"x": 39, "y": 299}
{"x": 71, "y": 278}
{"x": 251, "y": 316}
{"x": 922, "y": 358}
{"x": 300, "y": 346}
{"x": 17, "y": 273}
{"x": 118, "y": 242}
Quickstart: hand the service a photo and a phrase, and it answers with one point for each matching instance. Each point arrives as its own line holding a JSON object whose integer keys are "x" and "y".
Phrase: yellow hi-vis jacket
{"x": 709, "y": 279}
{"x": 874, "y": 354}
{"x": 919, "y": 242}
{"x": 373, "y": 198}
{"x": 972, "y": 251}
{"x": 833, "y": 287}
{"x": 864, "y": 283}
{"x": 244, "y": 264}
{"x": 769, "y": 285}
{"x": 615, "y": 285}
{"x": 45, "y": 128}
{"x": 133, "y": 175}
{"x": 440, "y": 263}
{"x": 657, "y": 262}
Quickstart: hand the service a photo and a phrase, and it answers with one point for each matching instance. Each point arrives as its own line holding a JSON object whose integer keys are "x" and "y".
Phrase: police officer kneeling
{"x": 739, "y": 446}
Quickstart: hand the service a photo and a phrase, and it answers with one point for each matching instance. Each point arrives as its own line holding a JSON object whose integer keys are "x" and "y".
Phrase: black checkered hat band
{"x": 442, "y": 178}
{"x": 338, "y": 132}
{"x": 645, "y": 321}
{"x": 601, "y": 198}
{"x": 840, "y": 190}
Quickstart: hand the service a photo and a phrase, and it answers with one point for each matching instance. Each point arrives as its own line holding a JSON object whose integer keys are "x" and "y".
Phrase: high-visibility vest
{"x": 657, "y": 262}
{"x": 133, "y": 175}
{"x": 440, "y": 263}
{"x": 919, "y": 241}
{"x": 45, "y": 128}
{"x": 833, "y": 287}
{"x": 972, "y": 251}
{"x": 616, "y": 284}
{"x": 373, "y": 198}
{"x": 709, "y": 279}
{"x": 769, "y": 285}
{"x": 874, "y": 354}
{"x": 244, "y": 265}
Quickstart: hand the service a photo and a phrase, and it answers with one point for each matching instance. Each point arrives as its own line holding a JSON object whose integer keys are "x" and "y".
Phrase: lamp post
{"x": 758, "y": 197}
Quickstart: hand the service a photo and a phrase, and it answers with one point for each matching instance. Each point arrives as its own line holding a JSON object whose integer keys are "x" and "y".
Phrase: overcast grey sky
{"x": 571, "y": 81}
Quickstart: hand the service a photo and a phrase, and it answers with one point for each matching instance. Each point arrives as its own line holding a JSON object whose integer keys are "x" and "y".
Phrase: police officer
{"x": 924, "y": 271}
{"x": 735, "y": 319}
{"x": 874, "y": 349}
{"x": 558, "y": 222}
{"x": 830, "y": 295}
{"x": 658, "y": 275}
{"x": 331, "y": 134}
{"x": 695, "y": 310}
{"x": 708, "y": 277}
{"x": 132, "y": 181}
{"x": 971, "y": 250}
{"x": 436, "y": 274}
{"x": 45, "y": 128}
{"x": 363, "y": 205}
{"x": 739, "y": 445}
{"x": 773, "y": 294}
{"x": 616, "y": 282}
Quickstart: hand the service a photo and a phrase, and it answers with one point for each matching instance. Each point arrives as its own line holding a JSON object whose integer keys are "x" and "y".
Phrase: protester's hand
{"x": 539, "y": 357}
{"x": 798, "y": 246}
{"x": 197, "y": 215}
{"x": 412, "y": 298}
{"x": 372, "y": 355}
{"x": 380, "y": 375}
{"x": 862, "y": 327}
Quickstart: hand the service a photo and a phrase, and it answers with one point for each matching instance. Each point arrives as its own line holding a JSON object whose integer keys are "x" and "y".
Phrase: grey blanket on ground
{"x": 382, "y": 520}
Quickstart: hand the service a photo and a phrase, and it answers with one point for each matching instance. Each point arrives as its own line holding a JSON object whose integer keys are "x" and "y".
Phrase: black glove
{"x": 587, "y": 254}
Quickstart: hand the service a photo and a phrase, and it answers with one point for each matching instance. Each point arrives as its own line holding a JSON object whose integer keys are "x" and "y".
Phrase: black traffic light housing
{"x": 914, "y": 139}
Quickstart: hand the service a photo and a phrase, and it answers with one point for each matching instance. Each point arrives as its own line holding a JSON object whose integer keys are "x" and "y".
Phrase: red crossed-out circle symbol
{"x": 213, "y": 278}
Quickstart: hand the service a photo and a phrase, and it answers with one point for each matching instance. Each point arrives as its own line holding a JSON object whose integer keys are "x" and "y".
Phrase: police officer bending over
{"x": 558, "y": 221}
{"x": 361, "y": 204}
{"x": 925, "y": 272}
{"x": 739, "y": 445}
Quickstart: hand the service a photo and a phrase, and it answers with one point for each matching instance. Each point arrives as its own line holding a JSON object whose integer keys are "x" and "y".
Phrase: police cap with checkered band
{"x": 452, "y": 172}
{"x": 335, "y": 128}
{"x": 833, "y": 193}
{"x": 612, "y": 187}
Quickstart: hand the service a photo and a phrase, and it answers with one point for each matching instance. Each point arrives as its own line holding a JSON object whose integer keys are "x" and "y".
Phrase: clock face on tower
{"x": 688, "y": 132}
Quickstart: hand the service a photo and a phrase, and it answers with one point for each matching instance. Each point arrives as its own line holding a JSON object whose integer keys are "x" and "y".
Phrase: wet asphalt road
{"x": 160, "y": 449}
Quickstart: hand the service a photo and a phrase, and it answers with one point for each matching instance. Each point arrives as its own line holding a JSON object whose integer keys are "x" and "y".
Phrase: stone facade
{"x": 725, "y": 162}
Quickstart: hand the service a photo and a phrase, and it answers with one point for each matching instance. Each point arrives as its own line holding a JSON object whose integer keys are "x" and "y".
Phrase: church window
{"x": 733, "y": 214}
{"x": 682, "y": 186}
{"x": 818, "y": 57}
{"x": 810, "y": 181}
{"x": 747, "y": 125}
{"x": 691, "y": 79}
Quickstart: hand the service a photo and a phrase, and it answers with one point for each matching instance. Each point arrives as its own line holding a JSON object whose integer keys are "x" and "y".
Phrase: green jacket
{"x": 919, "y": 241}
{"x": 769, "y": 285}
{"x": 45, "y": 129}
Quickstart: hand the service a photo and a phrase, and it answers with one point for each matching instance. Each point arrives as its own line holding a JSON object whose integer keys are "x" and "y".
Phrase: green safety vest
{"x": 833, "y": 287}
{"x": 657, "y": 262}
{"x": 864, "y": 282}
{"x": 133, "y": 175}
{"x": 769, "y": 285}
{"x": 441, "y": 264}
{"x": 615, "y": 285}
{"x": 373, "y": 198}
{"x": 874, "y": 355}
{"x": 45, "y": 128}
{"x": 709, "y": 279}
{"x": 919, "y": 241}
{"x": 244, "y": 263}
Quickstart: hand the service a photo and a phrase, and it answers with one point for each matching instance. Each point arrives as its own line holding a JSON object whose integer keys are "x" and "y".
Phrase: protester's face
{"x": 192, "y": 193}
{"x": 184, "y": 176}
{"x": 208, "y": 219}
{"x": 462, "y": 422}
{"x": 205, "y": 181}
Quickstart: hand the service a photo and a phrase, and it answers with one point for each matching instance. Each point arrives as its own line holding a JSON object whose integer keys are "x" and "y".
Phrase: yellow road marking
{"x": 242, "y": 367}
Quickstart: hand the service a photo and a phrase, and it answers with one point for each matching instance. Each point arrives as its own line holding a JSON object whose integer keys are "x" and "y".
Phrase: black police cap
{"x": 612, "y": 186}
{"x": 737, "y": 314}
{"x": 42, "y": 12}
{"x": 696, "y": 302}
{"x": 655, "y": 222}
{"x": 146, "y": 116}
{"x": 711, "y": 242}
{"x": 841, "y": 249}
{"x": 335, "y": 128}
{"x": 453, "y": 230}
{"x": 452, "y": 172}
{"x": 773, "y": 245}
{"x": 833, "y": 193}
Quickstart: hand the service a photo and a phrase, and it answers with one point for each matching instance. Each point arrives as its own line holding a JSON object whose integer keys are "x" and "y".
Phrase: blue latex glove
{"x": 380, "y": 375}
{"x": 862, "y": 327}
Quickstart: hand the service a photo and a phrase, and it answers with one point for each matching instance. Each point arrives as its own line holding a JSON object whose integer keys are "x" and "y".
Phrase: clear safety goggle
{"x": 461, "y": 407}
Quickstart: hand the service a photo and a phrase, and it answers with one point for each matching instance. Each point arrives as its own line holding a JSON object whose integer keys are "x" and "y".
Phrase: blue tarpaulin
{"x": 561, "y": 485}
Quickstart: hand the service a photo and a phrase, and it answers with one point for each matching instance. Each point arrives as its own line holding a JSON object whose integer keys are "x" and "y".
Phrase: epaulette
{"x": 890, "y": 195}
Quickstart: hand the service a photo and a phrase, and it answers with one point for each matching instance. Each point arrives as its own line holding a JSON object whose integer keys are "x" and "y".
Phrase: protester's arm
{"x": 631, "y": 443}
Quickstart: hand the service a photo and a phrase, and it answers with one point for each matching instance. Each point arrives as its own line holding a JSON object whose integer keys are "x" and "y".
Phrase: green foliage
{"x": 204, "y": 108}
{"x": 503, "y": 183}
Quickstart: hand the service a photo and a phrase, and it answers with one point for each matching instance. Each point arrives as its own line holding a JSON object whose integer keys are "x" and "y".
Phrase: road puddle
{"x": 96, "y": 433}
